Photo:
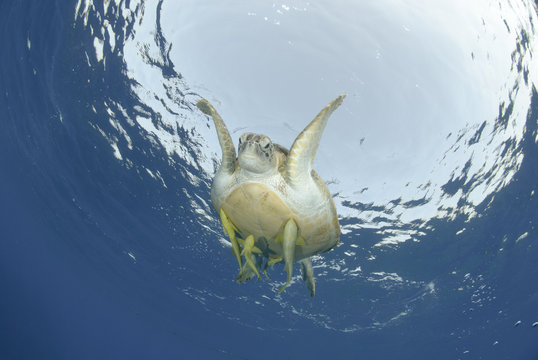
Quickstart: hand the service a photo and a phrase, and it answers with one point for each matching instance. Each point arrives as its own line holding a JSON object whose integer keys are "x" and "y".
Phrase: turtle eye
{"x": 265, "y": 143}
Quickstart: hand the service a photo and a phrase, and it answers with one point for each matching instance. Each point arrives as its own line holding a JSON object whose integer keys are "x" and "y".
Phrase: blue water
{"x": 99, "y": 259}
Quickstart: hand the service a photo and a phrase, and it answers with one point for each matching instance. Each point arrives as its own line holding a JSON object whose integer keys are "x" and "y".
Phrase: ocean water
{"x": 110, "y": 247}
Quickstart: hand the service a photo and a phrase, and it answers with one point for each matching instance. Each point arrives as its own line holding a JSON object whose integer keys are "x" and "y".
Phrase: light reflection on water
{"x": 438, "y": 94}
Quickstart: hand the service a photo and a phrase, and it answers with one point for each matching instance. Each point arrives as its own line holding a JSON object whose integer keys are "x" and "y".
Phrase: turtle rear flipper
{"x": 289, "y": 239}
{"x": 308, "y": 275}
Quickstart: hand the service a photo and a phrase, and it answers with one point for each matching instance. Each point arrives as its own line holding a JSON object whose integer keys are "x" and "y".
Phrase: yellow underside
{"x": 257, "y": 210}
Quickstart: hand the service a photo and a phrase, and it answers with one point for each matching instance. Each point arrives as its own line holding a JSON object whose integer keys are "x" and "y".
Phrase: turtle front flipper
{"x": 303, "y": 150}
{"x": 230, "y": 229}
{"x": 308, "y": 275}
{"x": 289, "y": 238}
{"x": 225, "y": 140}
{"x": 248, "y": 249}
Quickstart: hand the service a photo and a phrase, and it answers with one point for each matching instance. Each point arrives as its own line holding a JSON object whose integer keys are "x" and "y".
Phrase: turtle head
{"x": 256, "y": 153}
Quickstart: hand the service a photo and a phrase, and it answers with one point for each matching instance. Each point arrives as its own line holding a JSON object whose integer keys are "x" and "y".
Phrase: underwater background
{"x": 110, "y": 247}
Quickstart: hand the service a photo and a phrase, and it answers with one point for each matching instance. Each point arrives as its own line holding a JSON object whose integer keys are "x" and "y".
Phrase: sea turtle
{"x": 271, "y": 202}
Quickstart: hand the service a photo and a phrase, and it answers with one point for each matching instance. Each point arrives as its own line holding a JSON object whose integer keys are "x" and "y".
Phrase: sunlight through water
{"x": 431, "y": 129}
